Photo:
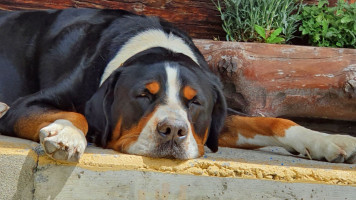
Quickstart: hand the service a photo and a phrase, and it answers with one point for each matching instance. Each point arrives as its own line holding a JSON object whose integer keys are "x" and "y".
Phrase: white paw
{"x": 334, "y": 148}
{"x": 61, "y": 140}
{"x": 3, "y": 109}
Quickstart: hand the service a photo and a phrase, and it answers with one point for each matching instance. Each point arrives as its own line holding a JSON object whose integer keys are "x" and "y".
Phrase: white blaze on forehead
{"x": 172, "y": 85}
{"x": 146, "y": 40}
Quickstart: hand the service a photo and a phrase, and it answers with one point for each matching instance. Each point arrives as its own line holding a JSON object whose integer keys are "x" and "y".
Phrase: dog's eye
{"x": 143, "y": 95}
{"x": 195, "y": 101}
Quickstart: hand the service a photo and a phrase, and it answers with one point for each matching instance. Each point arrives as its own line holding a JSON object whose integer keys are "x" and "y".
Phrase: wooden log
{"x": 199, "y": 18}
{"x": 285, "y": 80}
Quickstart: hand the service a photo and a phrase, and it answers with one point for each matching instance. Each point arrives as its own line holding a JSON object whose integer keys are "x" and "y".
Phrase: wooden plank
{"x": 197, "y": 17}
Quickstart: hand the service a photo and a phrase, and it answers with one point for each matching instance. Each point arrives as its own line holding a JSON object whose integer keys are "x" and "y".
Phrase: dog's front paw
{"x": 61, "y": 140}
{"x": 334, "y": 148}
{"x": 3, "y": 109}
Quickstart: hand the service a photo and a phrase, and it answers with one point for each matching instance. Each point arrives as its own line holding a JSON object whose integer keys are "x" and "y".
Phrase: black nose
{"x": 172, "y": 130}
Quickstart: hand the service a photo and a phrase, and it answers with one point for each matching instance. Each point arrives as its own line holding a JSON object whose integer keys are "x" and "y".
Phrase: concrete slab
{"x": 18, "y": 162}
{"x": 228, "y": 174}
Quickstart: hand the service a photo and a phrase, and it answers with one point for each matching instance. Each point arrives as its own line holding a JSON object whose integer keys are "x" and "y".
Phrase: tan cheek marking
{"x": 189, "y": 93}
{"x": 127, "y": 137}
{"x": 153, "y": 87}
{"x": 28, "y": 127}
{"x": 115, "y": 134}
{"x": 200, "y": 141}
{"x": 249, "y": 127}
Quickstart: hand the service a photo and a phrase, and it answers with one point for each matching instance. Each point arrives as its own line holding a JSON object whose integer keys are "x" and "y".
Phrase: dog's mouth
{"x": 171, "y": 150}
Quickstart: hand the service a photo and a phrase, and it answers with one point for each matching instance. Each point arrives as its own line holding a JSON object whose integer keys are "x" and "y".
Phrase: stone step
{"x": 272, "y": 173}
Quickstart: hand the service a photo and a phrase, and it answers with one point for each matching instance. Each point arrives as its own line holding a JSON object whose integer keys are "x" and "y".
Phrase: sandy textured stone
{"x": 285, "y": 80}
{"x": 77, "y": 183}
{"x": 228, "y": 174}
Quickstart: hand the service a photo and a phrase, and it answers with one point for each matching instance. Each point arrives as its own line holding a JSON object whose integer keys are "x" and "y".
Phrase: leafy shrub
{"x": 240, "y": 18}
{"x": 330, "y": 26}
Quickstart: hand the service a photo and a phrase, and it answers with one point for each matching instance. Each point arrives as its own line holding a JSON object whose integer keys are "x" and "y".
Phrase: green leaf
{"x": 322, "y": 3}
{"x": 261, "y": 31}
{"x": 319, "y": 18}
{"x": 339, "y": 12}
{"x": 275, "y": 40}
{"x": 316, "y": 37}
{"x": 325, "y": 26}
{"x": 329, "y": 34}
{"x": 346, "y": 19}
{"x": 276, "y": 33}
{"x": 305, "y": 31}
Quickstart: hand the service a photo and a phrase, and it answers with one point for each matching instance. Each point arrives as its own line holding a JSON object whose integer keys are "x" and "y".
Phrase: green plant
{"x": 330, "y": 26}
{"x": 269, "y": 37}
{"x": 240, "y": 17}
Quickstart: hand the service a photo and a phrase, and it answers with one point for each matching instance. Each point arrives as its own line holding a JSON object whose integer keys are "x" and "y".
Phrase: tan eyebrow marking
{"x": 189, "y": 93}
{"x": 153, "y": 87}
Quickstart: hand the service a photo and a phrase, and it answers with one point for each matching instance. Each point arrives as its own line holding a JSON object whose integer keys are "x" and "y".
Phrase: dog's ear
{"x": 218, "y": 117}
{"x": 98, "y": 111}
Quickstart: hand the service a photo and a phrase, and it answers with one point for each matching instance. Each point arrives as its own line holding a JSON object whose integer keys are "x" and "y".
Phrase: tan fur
{"x": 189, "y": 93}
{"x": 200, "y": 141}
{"x": 28, "y": 127}
{"x": 122, "y": 139}
{"x": 153, "y": 87}
{"x": 249, "y": 127}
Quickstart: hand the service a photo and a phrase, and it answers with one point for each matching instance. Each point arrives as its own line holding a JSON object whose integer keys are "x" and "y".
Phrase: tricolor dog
{"x": 131, "y": 83}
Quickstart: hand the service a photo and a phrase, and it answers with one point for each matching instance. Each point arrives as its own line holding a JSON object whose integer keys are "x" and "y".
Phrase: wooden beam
{"x": 197, "y": 17}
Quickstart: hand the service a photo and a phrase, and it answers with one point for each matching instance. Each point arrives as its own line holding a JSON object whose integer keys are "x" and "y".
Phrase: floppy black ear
{"x": 217, "y": 119}
{"x": 98, "y": 111}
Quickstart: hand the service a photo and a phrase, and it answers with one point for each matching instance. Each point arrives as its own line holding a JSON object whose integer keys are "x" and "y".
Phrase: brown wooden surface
{"x": 315, "y": 87}
{"x": 197, "y": 17}
{"x": 285, "y": 80}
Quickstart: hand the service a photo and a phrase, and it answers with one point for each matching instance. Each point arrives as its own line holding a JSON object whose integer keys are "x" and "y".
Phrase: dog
{"x": 132, "y": 83}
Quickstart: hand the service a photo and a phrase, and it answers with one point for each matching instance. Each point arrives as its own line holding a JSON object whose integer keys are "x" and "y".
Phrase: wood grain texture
{"x": 197, "y": 17}
{"x": 285, "y": 80}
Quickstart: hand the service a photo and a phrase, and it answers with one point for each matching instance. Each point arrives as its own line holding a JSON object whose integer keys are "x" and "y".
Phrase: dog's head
{"x": 158, "y": 104}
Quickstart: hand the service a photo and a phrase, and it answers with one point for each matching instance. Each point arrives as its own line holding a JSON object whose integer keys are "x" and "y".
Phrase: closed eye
{"x": 142, "y": 95}
{"x": 145, "y": 95}
{"x": 195, "y": 101}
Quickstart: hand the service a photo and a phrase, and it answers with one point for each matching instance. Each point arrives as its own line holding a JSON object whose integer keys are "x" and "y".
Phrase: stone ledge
{"x": 102, "y": 171}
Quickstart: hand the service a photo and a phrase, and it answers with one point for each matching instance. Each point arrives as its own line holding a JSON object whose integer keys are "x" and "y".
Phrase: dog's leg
{"x": 256, "y": 132}
{"x": 61, "y": 133}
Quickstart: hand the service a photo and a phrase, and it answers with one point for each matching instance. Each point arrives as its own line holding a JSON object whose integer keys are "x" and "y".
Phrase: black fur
{"x": 53, "y": 60}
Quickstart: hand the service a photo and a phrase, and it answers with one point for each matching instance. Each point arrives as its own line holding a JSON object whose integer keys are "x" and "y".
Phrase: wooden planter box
{"x": 287, "y": 80}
